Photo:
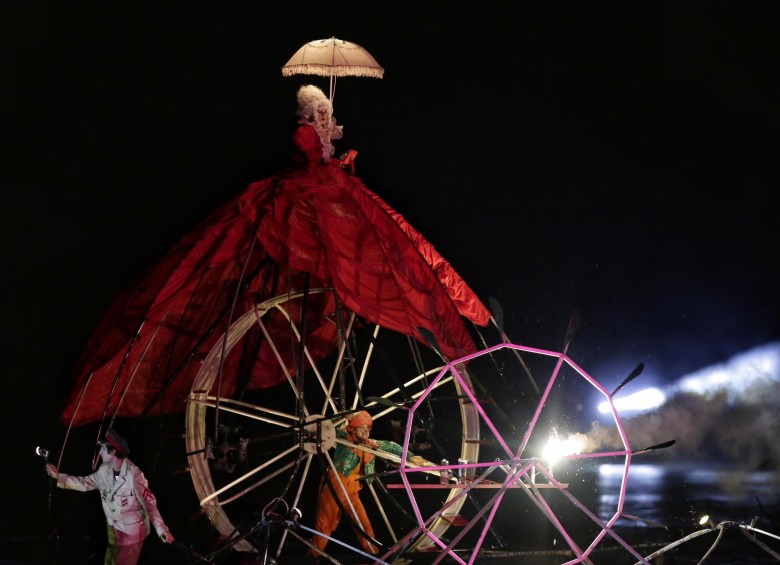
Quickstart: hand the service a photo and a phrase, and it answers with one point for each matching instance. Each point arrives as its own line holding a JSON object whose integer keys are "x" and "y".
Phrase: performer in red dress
{"x": 311, "y": 225}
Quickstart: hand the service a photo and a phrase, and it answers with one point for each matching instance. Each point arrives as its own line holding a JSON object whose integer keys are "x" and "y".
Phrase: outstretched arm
{"x": 66, "y": 481}
{"x": 397, "y": 449}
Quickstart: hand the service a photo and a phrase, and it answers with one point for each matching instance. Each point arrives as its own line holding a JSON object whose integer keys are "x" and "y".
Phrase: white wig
{"x": 311, "y": 99}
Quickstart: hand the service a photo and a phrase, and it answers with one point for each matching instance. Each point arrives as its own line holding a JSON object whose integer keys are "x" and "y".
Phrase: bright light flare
{"x": 557, "y": 448}
{"x": 645, "y": 399}
{"x": 706, "y": 521}
{"x": 738, "y": 374}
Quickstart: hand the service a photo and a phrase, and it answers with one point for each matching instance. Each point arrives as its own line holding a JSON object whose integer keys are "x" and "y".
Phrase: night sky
{"x": 617, "y": 160}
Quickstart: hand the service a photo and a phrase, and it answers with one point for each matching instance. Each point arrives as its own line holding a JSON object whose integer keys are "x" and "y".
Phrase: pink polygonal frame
{"x": 515, "y": 467}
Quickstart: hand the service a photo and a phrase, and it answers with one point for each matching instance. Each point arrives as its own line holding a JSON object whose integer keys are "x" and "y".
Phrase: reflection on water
{"x": 661, "y": 506}
{"x": 670, "y": 500}
{"x": 678, "y": 495}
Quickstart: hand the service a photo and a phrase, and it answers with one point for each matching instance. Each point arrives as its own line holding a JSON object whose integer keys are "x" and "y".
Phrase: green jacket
{"x": 345, "y": 458}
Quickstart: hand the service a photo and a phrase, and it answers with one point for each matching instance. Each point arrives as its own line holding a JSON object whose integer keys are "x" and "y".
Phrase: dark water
{"x": 663, "y": 504}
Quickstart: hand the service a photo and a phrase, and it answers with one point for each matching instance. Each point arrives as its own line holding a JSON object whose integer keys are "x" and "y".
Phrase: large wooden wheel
{"x": 254, "y": 454}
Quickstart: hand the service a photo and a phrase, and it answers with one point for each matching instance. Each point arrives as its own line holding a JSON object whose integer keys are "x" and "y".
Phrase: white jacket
{"x": 128, "y": 503}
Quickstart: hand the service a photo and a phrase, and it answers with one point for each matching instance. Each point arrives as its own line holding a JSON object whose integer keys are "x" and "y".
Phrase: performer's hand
{"x": 167, "y": 537}
{"x": 51, "y": 470}
{"x": 419, "y": 461}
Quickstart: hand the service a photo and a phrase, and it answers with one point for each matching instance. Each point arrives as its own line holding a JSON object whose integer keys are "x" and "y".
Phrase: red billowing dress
{"x": 313, "y": 219}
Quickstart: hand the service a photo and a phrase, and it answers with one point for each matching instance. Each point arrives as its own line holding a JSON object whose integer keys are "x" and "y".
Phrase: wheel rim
{"x": 270, "y": 440}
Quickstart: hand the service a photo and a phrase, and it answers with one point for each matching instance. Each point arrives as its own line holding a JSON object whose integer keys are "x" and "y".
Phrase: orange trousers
{"x": 329, "y": 512}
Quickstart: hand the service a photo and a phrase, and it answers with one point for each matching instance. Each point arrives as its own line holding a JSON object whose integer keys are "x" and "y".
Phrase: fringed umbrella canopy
{"x": 333, "y": 58}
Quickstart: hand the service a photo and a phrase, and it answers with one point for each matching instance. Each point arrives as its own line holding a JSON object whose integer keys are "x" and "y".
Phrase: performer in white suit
{"x": 128, "y": 503}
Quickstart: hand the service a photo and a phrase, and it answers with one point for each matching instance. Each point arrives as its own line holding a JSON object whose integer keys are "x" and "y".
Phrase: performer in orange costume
{"x": 351, "y": 464}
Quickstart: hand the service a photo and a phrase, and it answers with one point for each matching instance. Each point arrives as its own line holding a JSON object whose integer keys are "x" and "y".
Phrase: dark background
{"x": 617, "y": 159}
